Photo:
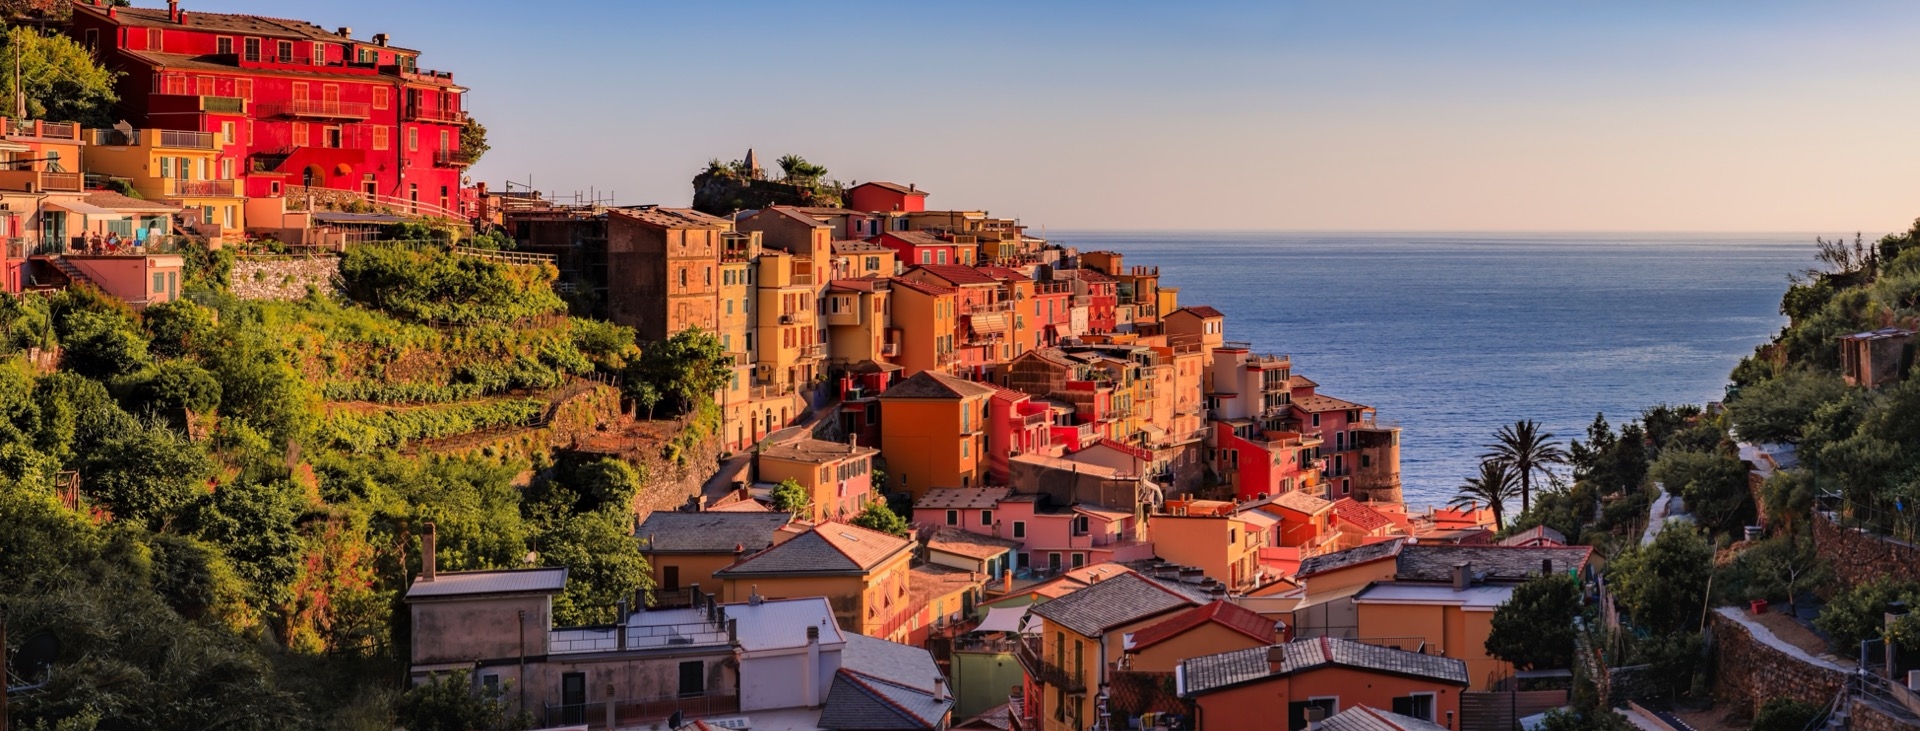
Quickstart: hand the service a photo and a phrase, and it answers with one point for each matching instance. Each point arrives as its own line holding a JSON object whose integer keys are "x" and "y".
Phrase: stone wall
{"x": 1859, "y": 557}
{"x": 282, "y": 278}
{"x": 1749, "y": 670}
{"x": 1864, "y": 716}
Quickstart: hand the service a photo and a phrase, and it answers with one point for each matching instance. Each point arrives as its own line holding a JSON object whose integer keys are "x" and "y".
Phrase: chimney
{"x": 1276, "y": 657}
{"x": 429, "y": 554}
{"x": 620, "y": 629}
{"x": 913, "y": 187}
{"x": 173, "y": 10}
{"x": 808, "y": 692}
{"x": 1316, "y": 716}
{"x": 1462, "y": 576}
{"x": 380, "y": 39}
{"x": 345, "y": 32}
{"x": 753, "y": 599}
{"x": 939, "y": 687}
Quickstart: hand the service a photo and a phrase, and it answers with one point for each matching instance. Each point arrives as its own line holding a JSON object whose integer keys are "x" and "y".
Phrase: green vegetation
{"x": 1493, "y": 488}
{"x": 790, "y": 497}
{"x": 1786, "y": 714}
{"x": 1535, "y": 629}
{"x": 473, "y": 140}
{"x": 61, "y": 81}
{"x": 878, "y": 516}
{"x": 1524, "y": 450}
{"x": 246, "y": 520}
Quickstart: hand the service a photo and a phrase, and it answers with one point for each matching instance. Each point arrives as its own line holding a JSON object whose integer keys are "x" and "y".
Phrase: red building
{"x": 887, "y": 197}
{"x": 913, "y": 248}
{"x": 295, "y": 104}
{"x": 1103, "y": 297}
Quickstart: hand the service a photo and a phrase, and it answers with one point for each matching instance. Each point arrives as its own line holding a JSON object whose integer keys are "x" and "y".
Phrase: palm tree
{"x": 1524, "y": 450}
{"x": 1494, "y": 486}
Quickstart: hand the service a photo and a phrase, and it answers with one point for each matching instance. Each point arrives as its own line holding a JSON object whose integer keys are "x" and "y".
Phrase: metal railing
{"x": 435, "y": 115}
{"x": 176, "y": 187}
{"x": 318, "y": 108}
{"x": 39, "y": 128}
{"x": 641, "y": 711}
{"x": 452, "y": 158}
{"x": 506, "y": 257}
{"x": 185, "y": 140}
{"x": 1030, "y": 655}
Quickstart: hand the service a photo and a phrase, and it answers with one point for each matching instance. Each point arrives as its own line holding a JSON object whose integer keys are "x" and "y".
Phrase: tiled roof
{"x": 907, "y": 665}
{"x": 929, "y": 581}
{"x": 1201, "y": 311}
{"x": 816, "y": 451}
{"x": 1124, "y": 598}
{"x": 972, "y": 545}
{"x": 928, "y": 384}
{"x": 1300, "y": 382}
{"x": 1363, "y": 718}
{"x": 1318, "y": 403}
{"x": 1213, "y": 672}
{"x": 895, "y": 187}
{"x": 474, "y": 583}
{"x": 115, "y": 201}
{"x": 1004, "y": 273}
{"x": 708, "y": 532}
{"x": 1356, "y": 513}
{"x": 1535, "y": 534}
{"x": 829, "y": 547}
{"x": 922, "y": 287}
{"x": 857, "y": 701}
{"x": 798, "y": 215}
{"x": 957, "y": 274}
{"x": 1301, "y": 501}
{"x": 1226, "y": 614}
{"x": 740, "y": 506}
{"x": 229, "y": 22}
{"x": 667, "y": 218}
{"x": 962, "y": 498}
{"x": 916, "y": 238}
{"x": 1427, "y": 562}
{"x": 857, "y": 247}
{"x": 1351, "y": 557}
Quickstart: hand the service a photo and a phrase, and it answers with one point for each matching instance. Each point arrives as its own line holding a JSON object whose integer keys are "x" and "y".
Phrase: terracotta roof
{"x": 740, "y": 506}
{"x": 1209, "y": 673}
{"x": 1356, "y": 513}
{"x": 1430, "y": 562}
{"x": 708, "y": 532}
{"x": 999, "y": 272}
{"x": 1073, "y": 580}
{"x": 115, "y": 201}
{"x": 231, "y": 22}
{"x": 1226, "y": 614}
{"x": 1536, "y": 533}
{"x": 931, "y": 385}
{"x": 816, "y": 451}
{"x": 916, "y": 238}
{"x": 1301, "y": 501}
{"x": 1009, "y": 395}
{"x": 1095, "y": 276}
{"x": 1351, "y": 557}
{"x": 1125, "y": 598}
{"x": 796, "y": 215}
{"x": 957, "y": 274}
{"x": 1201, "y": 311}
{"x": 844, "y": 246}
{"x": 969, "y": 544}
{"x": 932, "y": 288}
{"x": 830, "y": 547}
{"x": 1300, "y": 382}
{"x": 1363, "y": 718}
{"x": 1320, "y": 402}
{"x": 669, "y": 218}
{"x": 962, "y": 498}
{"x": 895, "y": 187}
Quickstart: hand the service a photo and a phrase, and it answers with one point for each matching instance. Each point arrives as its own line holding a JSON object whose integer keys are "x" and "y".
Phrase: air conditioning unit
{"x": 1913, "y": 680}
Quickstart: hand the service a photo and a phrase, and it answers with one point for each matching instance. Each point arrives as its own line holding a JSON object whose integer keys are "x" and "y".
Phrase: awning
{"x": 14, "y": 147}
{"x": 84, "y": 209}
{"x": 1004, "y": 619}
{"x": 990, "y": 323}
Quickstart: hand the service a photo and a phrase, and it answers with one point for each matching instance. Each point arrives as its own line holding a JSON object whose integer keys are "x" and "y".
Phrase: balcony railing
{"x": 318, "y": 109}
{"x": 1034, "y": 660}
{"x": 642, "y": 711}
{"x": 816, "y": 350}
{"x": 198, "y": 188}
{"x": 34, "y": 181}
{"x": 452, "y": 158}
{"x": 184, "y": 140}
{"x": 968, "y": 308}
{"x": 38, "y": 128}
{"x": 890, "y": 349}
{"x": 435, "y": 115}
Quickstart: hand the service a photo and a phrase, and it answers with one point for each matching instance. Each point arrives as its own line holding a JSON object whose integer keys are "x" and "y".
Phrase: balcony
{"x": 970, "y": 308}
{"x": 38, "y": 128}
{"x": 890, "y": 350}
{"x": 35, "y": 181}
{"x": 197, "y": 103}
{"x": 452, "y": 158}
{"x": 816, "y": 350}
{"x": 198, "y": 188}
{"x": 1031, "y": 658}
{"x": 317, "y": 109}
{"x": 434, "y": 115}
{"x": 642, "y": 712}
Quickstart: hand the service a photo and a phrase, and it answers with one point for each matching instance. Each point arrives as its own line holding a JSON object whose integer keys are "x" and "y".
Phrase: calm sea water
{"x": 1453, "y": 335}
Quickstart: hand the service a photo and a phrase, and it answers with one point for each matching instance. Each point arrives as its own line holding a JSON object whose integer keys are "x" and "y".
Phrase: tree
{"x": 1713, "y": 485}
{"x": 1493, "y": 487}
{"x": 1535, "y": 629}
{"x": 253, "y": 522}
{"x": 1597, "y": 719}
{"x": 1663, "y": 586}
{"x": 61, "y": 80}
{"x": 877, "y": 516}
{"x": 1859, "y": 613}
{"x": 177, "y": 327}
{"x": 1783, "y": 567}
{"x": 175, "y": 384}
{"x": 686, "y": 369}
{"x": 148, "y": 475}
{"x": 449, "y": 703}
{"x": 799, "y": 171}
{"x": 1786, "y": 714}
{"x": 101, "y": 346}
{"x": 1778, "y": 409}
{"x": 790, "y": 497}
{"x": 1525, "y": 449}
{"x": 603, "y": 563}
{"x": 473, "y": 140}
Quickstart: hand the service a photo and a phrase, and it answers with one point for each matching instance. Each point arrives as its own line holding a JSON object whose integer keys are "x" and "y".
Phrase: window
{"x": 156, "y": 39}
{"x": 1418, "y": 705}
{"x": 166, "y": 167}
{"x": 159, "y": 282}
{"x": 283, "y": 51}
{"x": 273, "y": 187}
{"x": 943, "y": 256}
{"x": 243, "y": 88}
{"x": 953, "y": 517}
{"x": 986, "y": 517}
{"x": 446, "y": 139}
{"x": 413, "y": 145}
{"x": 223, "y": 45}
{"x": 227, "y": 133}
{"x": 1019, "y": 529}
{"x": 299, "y": 134}
{"x": 252, "y": 46}
{"x": 226, "y": 168}
{"x": 1316, "y": 419}
{"x": 203, "y": 86}
{"x": 93, "y": 38}
{"x": 380, "y": 138}
{"x": 1079, "y": 559}
{"x": 491, "y": 681}
{"x": 380, "y": 97}
{"x": 319, "y": 54}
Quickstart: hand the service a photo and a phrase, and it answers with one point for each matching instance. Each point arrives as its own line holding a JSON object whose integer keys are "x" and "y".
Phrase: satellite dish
{"x": 36, "y": 655}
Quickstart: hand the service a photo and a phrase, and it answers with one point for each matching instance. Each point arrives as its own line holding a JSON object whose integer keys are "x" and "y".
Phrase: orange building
{"x": 1082, "y": 635}
{"x": 924, "y": 314}
{"x": 862, "y": 573}
{"x": 838, "y": 477}
{"x": 1210, "y": 536}
{"x": 1310, "y": 680}
{"x": 663, "y": 270}
{"x": 933, "y": 431}
{"x": 1215, "y": 627}
{"x": 687, "y": 549}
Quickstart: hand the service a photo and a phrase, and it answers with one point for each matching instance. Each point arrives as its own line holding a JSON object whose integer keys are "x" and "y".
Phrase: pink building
{"x": 1016, "y": 424}
{"x": 1052, "y": 313}
{"x": 1052, "y": 539}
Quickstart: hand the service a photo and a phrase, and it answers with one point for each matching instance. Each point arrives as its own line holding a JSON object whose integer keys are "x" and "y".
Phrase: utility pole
{"x": 3, "y": 669}
{"x": 19, "y": 112}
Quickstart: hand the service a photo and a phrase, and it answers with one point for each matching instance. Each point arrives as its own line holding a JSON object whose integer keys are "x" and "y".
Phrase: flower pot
{"x": 1759, "y": 606}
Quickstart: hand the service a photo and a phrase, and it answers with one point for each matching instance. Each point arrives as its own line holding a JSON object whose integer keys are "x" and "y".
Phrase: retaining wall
{"x": 1858, "y": 557}
{"x": 1752, "y": 667}
{"x": 282, "y": 278}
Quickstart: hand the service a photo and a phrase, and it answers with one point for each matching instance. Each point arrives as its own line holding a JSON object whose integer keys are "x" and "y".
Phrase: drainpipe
{"x": 522, "y": 614}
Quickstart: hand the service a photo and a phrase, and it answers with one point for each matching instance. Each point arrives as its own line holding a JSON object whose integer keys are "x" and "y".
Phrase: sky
{"x": 1424, "y": 115}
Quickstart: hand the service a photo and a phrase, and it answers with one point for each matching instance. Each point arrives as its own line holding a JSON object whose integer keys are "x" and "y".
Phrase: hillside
{"x": 214, "y": 504}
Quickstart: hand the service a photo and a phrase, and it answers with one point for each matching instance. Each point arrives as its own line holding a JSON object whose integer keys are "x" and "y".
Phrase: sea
{"x": 1451, "y": 336}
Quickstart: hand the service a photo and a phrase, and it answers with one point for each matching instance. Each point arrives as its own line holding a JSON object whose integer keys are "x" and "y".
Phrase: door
{"x": 693, "y": 678}
{"x": 670, "y": 578}
{"x": 1053, "y": 563}
{"x": 573, "y": 698}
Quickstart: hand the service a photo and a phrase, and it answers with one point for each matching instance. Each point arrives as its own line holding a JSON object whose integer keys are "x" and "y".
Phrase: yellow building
{"x": 862, "y": 573}
{"x": 1208, "y": 535}
{"x": 860, "y": 320}
{"x": 687, "y": 549}
{"x": 836, "y": 476}
{"x": 182, "y": 168}
{"x": 1209, "y": 629}
{"x": 1084, "y": 633}
{"x": 865, "y": 259}
{"x": 924, "y": 315}
{"x": 787, "y": 342}
{"x": 933, "y": 429}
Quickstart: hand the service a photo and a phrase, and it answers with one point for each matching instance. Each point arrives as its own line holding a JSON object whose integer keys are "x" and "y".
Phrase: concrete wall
{"x": 480, "y": 629}
{"x": 271, "y": 278}
{"x": 982, "y": 680}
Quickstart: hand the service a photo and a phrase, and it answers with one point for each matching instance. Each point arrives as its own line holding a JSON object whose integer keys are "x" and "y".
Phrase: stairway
{"x": 73, "y": 273}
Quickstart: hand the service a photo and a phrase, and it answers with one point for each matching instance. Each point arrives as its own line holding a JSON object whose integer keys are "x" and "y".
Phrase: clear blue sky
{"x": 1417, "y": 115}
